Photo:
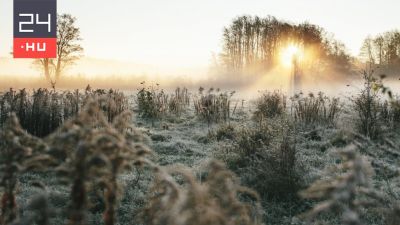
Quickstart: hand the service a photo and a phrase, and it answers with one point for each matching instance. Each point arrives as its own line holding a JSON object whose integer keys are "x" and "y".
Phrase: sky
{"x": 185, "y": 33}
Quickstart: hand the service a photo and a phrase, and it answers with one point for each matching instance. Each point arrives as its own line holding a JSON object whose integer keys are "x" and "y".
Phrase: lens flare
{"x": 290, "y": 53}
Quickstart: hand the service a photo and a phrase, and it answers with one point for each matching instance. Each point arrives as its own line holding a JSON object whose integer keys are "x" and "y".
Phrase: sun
{"x": 289, "y": 53}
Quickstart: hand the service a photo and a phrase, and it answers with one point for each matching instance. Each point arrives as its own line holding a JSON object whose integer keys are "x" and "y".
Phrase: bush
{"x": 312, "y": 110}
{"x": 274, "y": 173}
{"x": 369, "y": 109}
{"x": 251, "y": 140}
{"x": 213, "y": 106}
{"x": 265, "y": 158}
{"x": 225, "y": 131}
{"x": 155, "y": 104}
{"x": 270, "y": 104}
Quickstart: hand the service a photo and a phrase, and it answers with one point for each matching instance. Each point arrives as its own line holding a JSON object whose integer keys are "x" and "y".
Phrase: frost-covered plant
{"x": 216, "y": 199}
{"x": 224, "y": 132}
{"x": 390, "y": 112}
{"x": 368, "y": 106}
{"x": 114, "y": 102}
{"x": 346, "y": 189}
{"x": 40, "y": 211}
{"x": 311, "y": 110}
{"x": 80, "y": 160}
{"x": 91, "y": 150}
{"x": 17, "y": 102}
{"x": 213, "y": 106}
{"x": 265, "y": 158}
{"x": 43, "y": 111}
{"x": 270, "y": 104}
{"x": 394, "y": 215}
{"x": 124, "y": 151}
{"x": 19, "y": 153}
{"x": 152, "y": 103}
{"x": 395, "y": 112}
{"x": 179, "y": 101}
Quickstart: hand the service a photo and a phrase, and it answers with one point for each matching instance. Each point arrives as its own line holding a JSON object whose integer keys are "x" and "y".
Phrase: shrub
{"x": 275, "y": 173}
{"x": 213, "y": 106}
{"x": 150, "y": 104}
{"x": 265, "y": 158}
{"x": 155, "y": 104}
{"x": 225, "y": 131}
{"x": 270, "y": 104}
{"x": 247, "y": 143}
{"x": 311, "y": 110}
{"x": 368, "y": 107}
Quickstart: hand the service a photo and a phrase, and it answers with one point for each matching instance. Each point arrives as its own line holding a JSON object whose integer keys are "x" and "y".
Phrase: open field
{"x": 200, "y": 112}
{"x": 309, "y": 158}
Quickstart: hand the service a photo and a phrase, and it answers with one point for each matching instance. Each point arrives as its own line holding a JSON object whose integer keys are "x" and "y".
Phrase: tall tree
{"x": 382, "y": 50}
{"x": 68, "y": 49}
{"x": 253, "y": 44}
{"x": 379, "y": 43}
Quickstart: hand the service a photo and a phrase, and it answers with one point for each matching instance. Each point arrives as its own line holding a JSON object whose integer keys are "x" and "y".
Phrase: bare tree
{"x": 68, "y": 49}
{"x": 379, "y": 43}
{"x": 367, "y": 52}
{"x": 253, "y": 44}
{"x": 382, "y": 50}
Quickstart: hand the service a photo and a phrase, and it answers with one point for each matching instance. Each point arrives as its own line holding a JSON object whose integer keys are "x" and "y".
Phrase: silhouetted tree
{"x": 68, "y": 49}
{"x": 382, "y": 50}
{"x": 254, "y": 43}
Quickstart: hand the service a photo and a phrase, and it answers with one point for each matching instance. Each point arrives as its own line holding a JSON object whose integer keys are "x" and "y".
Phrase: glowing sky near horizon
{"x": 186, "y": 32}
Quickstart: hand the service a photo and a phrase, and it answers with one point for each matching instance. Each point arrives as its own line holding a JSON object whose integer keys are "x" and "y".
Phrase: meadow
{"x": 199, "y": 157}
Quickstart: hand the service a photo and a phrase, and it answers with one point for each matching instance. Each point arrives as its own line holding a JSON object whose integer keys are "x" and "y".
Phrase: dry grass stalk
{"x": 43, "y": 111}
{"x": 19, "y": 153}
{"x": 213, "y": 106}
{"x": 313, "y": 109}
{"x": 179, "y": 101}
{"x": 155, "y": 104}
{"x": 92, "y": 150}
{"x": 347, "y": 190}
{"x": 216, "y": 200}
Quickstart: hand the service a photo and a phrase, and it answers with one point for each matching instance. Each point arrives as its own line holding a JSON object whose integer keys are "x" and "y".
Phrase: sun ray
{"x": 290, "y": 53}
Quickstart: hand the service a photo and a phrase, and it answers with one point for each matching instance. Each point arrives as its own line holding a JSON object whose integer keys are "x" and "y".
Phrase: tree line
{"x": 69, "y": 50}
{"x": 382, "y": 50}
{"x": 254, "y": 44}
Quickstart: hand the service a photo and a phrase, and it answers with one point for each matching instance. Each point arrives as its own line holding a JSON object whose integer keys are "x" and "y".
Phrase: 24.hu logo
{"x": 35, "y": 29}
